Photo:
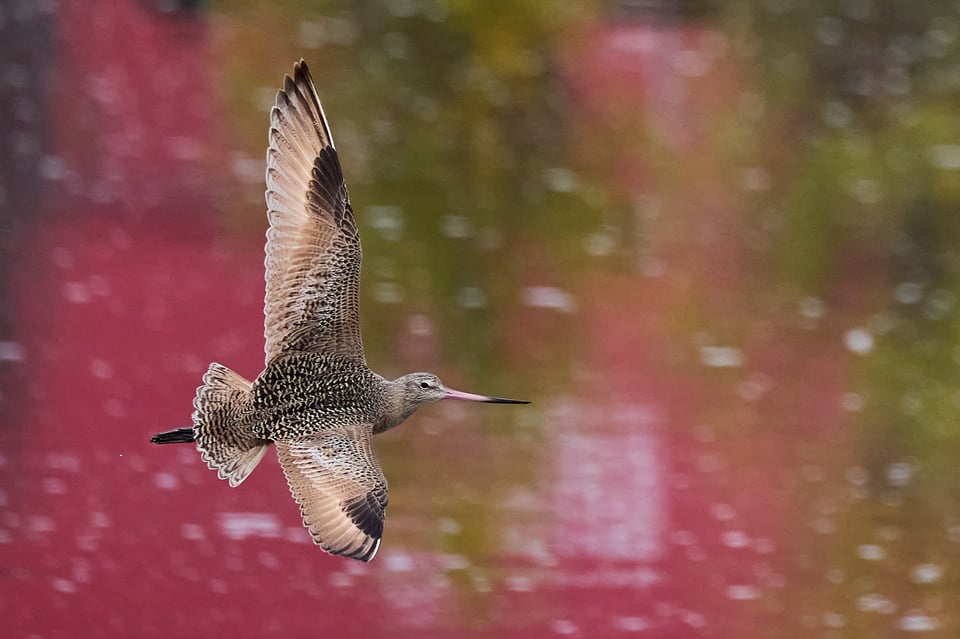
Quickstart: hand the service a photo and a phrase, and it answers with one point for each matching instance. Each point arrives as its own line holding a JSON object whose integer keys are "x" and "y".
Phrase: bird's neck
{"x": 397, "y": 409}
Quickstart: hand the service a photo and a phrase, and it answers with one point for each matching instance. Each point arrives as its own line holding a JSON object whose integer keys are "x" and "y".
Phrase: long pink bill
{"x": 470, "y": 397}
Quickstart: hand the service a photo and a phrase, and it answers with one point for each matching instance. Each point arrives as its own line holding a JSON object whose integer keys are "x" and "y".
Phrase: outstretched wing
{"x": 313, "y": 247}
{"x": 336, "y": 479}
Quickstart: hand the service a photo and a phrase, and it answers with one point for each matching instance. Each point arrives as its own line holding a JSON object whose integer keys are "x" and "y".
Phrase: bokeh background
{"x": 717, "y": 244}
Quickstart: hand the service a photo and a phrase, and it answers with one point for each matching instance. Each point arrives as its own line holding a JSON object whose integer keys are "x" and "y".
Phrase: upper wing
{"x": 313, "y": 247}
{"x": 336, "y": 479}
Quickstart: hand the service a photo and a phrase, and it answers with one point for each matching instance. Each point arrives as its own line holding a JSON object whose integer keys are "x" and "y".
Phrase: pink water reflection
{"x": 658, "y": 502}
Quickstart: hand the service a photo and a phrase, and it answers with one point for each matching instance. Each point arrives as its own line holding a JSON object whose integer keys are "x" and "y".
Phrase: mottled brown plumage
{"x": 316, "y": 399}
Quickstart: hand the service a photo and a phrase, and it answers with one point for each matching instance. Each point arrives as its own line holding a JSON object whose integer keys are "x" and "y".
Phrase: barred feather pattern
{"x": 223, "y": 419}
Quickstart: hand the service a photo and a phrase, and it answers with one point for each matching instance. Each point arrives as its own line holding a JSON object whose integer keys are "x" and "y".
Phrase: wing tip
{"x": 301, "y": 87}
{"x": 301, "y": 79}
{"x": 372, "y": 552}
{"x": 301, "y": 73}
{"x": 365, "y": 551}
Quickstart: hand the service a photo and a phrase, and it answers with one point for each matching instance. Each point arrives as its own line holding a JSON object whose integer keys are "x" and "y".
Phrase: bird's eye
{"x": 424, "y": 385}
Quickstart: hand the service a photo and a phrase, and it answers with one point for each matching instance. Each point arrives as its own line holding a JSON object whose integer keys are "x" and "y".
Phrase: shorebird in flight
{"x": 316, "y": 399}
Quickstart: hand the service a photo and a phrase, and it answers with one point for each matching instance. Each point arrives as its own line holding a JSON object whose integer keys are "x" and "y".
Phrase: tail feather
{"x": 223, "y": 425}
{"x": 175, "y": 436}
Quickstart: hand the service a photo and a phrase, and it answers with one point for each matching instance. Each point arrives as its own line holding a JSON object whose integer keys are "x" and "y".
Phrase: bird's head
{"x": 419, "y": 389}
{"x": 426, "y": 388}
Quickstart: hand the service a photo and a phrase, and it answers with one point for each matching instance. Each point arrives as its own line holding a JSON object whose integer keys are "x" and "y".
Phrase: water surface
{"x": 716, "y": 246}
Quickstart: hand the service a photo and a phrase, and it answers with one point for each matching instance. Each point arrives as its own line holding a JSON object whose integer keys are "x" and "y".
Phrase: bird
{"x": 316, "y": 400}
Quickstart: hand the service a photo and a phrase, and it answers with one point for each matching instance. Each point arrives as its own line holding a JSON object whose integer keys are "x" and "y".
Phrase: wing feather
{"x": 336, "y": 479}
{"x": 313, "y": 249}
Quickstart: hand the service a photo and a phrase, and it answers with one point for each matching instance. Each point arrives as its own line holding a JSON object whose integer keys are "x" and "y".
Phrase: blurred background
{"x": 717, "y": 244}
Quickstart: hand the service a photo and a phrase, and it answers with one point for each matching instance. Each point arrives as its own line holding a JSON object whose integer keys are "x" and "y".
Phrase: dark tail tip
{"x": 175, "y": 436}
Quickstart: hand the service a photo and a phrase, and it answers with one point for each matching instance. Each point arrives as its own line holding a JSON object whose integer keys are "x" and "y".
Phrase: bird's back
{"x": 301, "y": 393}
